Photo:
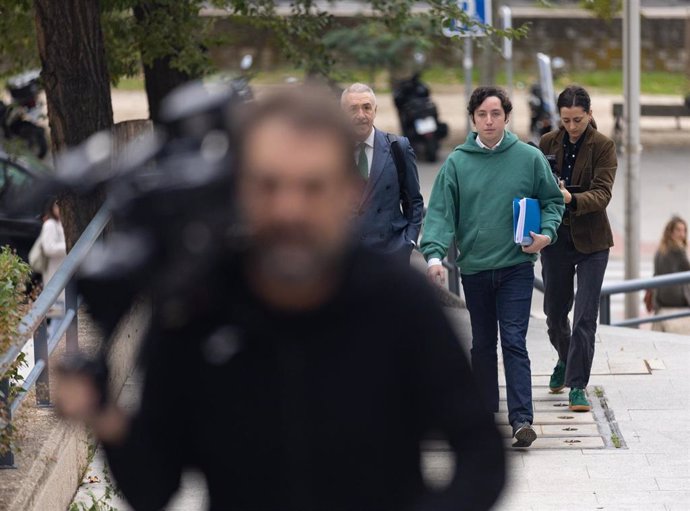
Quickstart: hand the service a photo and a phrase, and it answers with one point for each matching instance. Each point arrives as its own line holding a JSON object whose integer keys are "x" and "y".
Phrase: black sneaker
{"x": 524, "y": 434}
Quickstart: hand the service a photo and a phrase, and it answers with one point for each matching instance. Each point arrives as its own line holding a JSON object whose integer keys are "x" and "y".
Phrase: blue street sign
{"x": 477, "y": 10}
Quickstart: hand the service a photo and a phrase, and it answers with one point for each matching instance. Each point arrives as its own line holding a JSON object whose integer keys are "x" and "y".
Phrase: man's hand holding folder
{"x": 539, "y": 242}
{"x": 526, "y": 221}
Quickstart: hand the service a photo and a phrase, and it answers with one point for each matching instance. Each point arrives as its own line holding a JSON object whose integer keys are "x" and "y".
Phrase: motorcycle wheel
{"x": 34, "y": 136}
{"x": 431, "y": 149}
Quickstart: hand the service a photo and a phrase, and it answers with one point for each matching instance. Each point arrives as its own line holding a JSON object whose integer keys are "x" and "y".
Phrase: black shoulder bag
{"x": 399, "y": 160}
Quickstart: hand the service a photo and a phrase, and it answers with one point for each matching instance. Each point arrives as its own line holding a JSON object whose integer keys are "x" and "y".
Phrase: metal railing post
{"x": 7, "y": 457}
{"x": 71, "y": 303}
{"x": 605, "y": 310}
{"x": 453, "y": 273}
{"x": 41, "y": 353}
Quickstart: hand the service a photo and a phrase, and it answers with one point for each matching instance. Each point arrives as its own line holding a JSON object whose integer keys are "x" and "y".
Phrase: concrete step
{"x": 565, "y": 418}
{"x": 574, "y": 443}
{"x": 557, "y": 431}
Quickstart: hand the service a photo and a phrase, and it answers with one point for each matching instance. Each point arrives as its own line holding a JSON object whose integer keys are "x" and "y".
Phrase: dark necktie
{"x": 363, "y": 161}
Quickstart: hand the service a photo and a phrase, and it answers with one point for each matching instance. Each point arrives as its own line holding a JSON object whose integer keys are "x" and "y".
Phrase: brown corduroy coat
{"x": 595, "y": 171}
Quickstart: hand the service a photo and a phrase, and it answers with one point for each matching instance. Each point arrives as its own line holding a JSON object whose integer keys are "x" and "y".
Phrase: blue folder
{"x": 526, "y": 219}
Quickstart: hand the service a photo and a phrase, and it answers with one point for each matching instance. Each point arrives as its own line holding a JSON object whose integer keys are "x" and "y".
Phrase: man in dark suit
{"x": 391, "y": 208}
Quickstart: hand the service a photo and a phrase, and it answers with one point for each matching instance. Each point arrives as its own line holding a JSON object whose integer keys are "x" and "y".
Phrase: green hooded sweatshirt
{"x": 472, "y": 200}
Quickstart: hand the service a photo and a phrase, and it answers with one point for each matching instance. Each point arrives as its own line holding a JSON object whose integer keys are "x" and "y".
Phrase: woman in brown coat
{"x": 586, "y": 163}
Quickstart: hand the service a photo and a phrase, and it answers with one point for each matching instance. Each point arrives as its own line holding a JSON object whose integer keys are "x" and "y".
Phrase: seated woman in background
{"x": 671, "y": 257}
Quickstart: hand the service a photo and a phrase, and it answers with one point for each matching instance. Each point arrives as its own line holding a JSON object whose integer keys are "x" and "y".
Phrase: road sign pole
{"x": 468, "y": 64}
{"x": 507, "y": 16}
{"x": 631, "y": 114}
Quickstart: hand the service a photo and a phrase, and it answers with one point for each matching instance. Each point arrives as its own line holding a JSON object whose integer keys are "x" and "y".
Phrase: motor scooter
{"x": 20, "y": 118}
{"x": 418, "y": 115}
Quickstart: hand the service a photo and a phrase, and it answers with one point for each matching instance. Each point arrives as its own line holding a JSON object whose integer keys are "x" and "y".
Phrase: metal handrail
{"x": 632, "y": 286}
{"x": 34, "y": 324}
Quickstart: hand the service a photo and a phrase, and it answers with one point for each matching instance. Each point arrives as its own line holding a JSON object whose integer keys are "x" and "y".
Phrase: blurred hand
{"x": 539, "y": 241}
{"x": 567, "y": 196}
{"x": 436, "y": 274}
{"x": 77, "y": 399}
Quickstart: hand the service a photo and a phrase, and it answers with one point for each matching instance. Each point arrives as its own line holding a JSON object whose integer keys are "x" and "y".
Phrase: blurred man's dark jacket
{"x": 321, "y": 410}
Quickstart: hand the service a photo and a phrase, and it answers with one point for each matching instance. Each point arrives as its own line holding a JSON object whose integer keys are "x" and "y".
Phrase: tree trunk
{"x": 77, "y": 85}
{"x": 159, "y": 77}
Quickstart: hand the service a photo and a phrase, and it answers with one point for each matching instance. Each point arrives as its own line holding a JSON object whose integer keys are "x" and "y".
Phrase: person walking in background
{"x": 585, "y": 162}
{"x": 471, "y": 201}
{"x": 671, "y": 257}
{"x": 391, "y": 207}
{"x": 54, "y": 248}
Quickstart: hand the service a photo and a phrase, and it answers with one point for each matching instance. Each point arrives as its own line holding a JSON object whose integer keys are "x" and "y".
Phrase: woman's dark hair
{"x": 48, "y": 209}
{"x": 573, "y": 96}
{"x": 481, "y": 93}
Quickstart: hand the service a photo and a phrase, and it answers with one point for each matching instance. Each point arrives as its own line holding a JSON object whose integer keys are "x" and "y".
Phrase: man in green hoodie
{"x": 471, "y": 203}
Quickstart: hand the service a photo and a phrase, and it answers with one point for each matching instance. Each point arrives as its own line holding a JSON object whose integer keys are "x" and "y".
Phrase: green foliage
{"x": 137, "y": 31}
{"x": 14, "y": 275}
{"x": 120, "y": 43}
{"x": 604, "y": 9}
{"x": 371, "y": 46}
{"x": 18, "y": 42}
{"x": 314, "y": 40}
{"x": 96, "y": 504}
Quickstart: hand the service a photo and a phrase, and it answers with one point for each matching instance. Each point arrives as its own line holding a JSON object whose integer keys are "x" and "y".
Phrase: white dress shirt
{"x": 369, "y": 150}
{"x": 484, "y": 146}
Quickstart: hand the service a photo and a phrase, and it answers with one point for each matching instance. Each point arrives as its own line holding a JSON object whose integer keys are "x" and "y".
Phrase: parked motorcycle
{"x": 419, "y": 116}
{"x": 543, "y": 117}
{"x": 539, "y": 116}
{"x": 240, "y": 83}
{"x": 19, "y": 119}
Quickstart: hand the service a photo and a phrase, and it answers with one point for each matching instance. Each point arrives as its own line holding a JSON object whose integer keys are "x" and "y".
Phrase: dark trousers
{"x": 560, "y": 262}
{"x": 501, "y": 300}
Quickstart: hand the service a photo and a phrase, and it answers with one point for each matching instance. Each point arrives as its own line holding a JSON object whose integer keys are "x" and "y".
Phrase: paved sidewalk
{"x": 651, "y": 408}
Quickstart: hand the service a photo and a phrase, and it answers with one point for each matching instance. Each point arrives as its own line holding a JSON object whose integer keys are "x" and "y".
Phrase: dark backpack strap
{"x": 399, "y": 160}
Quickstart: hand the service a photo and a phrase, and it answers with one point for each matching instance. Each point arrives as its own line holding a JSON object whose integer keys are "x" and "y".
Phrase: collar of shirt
{"x": 483, "y": 146}
{"x": 370, "y": 139}
{"x": 573, "y": 146}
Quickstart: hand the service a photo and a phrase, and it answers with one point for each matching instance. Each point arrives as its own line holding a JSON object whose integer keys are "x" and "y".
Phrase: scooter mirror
{"x": 419, "y": 58}
{"x": 247, "y": 62}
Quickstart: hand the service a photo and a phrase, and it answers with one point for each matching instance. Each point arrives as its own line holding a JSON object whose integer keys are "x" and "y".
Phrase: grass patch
{"x": 130, "y": 83}
{"x": 609, "y": 81}
{"x": 616, "y": 441}
{"x": 612, "y": 82}
{"x": 599, "y": 392}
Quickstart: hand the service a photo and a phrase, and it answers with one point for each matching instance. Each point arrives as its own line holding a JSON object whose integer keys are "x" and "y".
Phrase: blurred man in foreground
{"x": 289, "y": 380}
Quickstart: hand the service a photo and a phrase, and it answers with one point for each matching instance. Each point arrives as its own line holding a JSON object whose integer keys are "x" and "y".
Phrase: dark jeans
{"x": 501, "y": 299}
{"x": 560, "y": 262}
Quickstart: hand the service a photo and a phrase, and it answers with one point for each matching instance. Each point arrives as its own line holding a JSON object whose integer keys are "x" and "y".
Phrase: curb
{"x": 56, "y": 456}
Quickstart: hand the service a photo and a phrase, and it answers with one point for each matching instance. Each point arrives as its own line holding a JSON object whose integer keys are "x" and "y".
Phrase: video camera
{"x": 170, "y": 196}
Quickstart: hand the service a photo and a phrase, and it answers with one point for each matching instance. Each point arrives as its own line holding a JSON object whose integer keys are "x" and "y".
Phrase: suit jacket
{"x": 595, "y": 171}
{"x": 381, "y": 223}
